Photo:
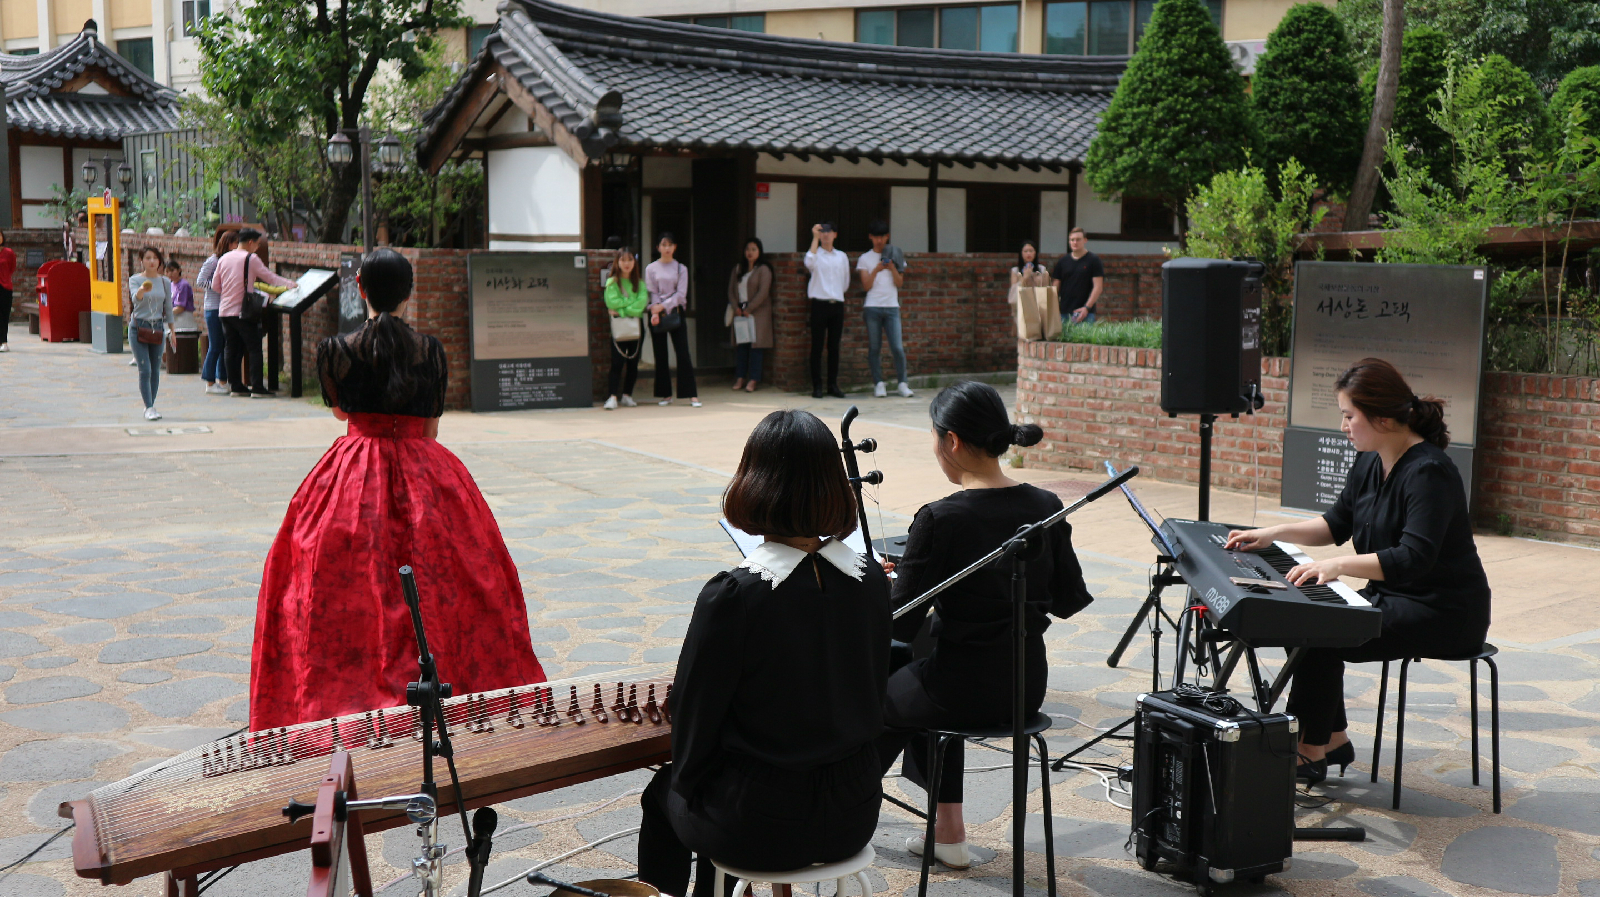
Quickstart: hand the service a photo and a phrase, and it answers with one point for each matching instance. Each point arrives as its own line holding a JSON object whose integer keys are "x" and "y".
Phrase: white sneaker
{"x": 5, "y": 347}
{"x": 905, "y": 389}
{"x": 694, "y": 403}
{"x": 956, "y": 856}
{"x": 133, "y": 362}
{"x": 611, "y": 404}
{"x": 664, "y": 402}
{"x": 151, "y": 414}
{"x": 628, "y": 402}
{"x": 880, "y": 390}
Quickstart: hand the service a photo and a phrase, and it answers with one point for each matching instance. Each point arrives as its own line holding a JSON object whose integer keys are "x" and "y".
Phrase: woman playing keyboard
{"x": 1405, "y": 510}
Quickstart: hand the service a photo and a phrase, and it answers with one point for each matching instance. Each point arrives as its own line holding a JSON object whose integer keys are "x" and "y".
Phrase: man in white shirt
{"x": 830, "y": 277}
{"x": 882, "y": 271}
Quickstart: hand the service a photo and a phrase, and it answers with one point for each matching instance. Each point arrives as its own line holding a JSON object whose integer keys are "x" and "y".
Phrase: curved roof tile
{"x": 34, "y": 103}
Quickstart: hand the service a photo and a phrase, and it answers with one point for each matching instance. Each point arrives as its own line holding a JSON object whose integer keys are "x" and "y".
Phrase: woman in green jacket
{"x": 626, "y": 297}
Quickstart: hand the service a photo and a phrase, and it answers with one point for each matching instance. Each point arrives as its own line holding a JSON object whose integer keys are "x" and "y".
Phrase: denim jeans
{"x": 149, "y": 360}
{"x": 216, "y": 345}
{"x": 747, "y": 362}
{"x": 886, "y": 322}
{"x": 1066, "y": 318}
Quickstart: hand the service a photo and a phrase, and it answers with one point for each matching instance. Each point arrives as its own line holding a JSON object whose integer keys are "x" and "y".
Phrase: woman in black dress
{"x": 779, "y": 690}
{"x": 966, "y": 680}
{"x": 1405, "y": 510}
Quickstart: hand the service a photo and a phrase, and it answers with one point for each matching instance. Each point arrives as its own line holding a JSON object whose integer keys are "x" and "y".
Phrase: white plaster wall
{"x": 668, "y": 172}
{"x": 41, "y": 168}
{"x": 1096, "y": 215}
{"x": 534, "y": 191}
{"x": 908, "y": 218}
{"x": 515, "y": 121}
{"x": 39, "y": 216}
{"x": 776, "y": 215}
{"x": 1054, "y": 206}
{"x": 952, "y": 219}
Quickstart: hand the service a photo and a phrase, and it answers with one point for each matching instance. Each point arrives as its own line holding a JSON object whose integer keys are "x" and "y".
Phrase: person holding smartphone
{"x": 830, "y": 277}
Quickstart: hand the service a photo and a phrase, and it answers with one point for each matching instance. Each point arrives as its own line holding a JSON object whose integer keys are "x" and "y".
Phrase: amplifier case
{"x": 1213, "y": 793}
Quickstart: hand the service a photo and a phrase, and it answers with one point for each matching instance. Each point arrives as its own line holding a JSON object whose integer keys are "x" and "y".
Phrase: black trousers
{"x": 756, "y": 816}
{"x": 827, "y": 325}
{"x": 680, "y": 346}
{"x": 244, "y": 354}
{"x": 1317, "y": 694}
{"x": 5, "y": 315}
{"x": 624, "y": 370}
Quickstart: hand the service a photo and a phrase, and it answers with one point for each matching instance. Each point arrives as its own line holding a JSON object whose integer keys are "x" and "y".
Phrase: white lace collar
{"x": 774, "y": 561}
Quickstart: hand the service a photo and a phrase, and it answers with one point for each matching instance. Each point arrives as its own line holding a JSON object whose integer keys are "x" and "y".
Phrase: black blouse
{"x": 974, "y": 620}
{"x": 353, "y": 382}
{"x": 1416, "y": 522}
{"x": 790, "y": 676}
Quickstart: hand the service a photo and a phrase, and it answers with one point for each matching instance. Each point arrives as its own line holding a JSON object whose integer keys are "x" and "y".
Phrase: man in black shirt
{"x": 1079, "y": 278}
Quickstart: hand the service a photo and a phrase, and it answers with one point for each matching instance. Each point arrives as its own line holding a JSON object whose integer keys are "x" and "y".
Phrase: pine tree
{"x": 1579, "y": 86}
{"x": 1179, "y": 115}
{"x": 1306, "y": 97}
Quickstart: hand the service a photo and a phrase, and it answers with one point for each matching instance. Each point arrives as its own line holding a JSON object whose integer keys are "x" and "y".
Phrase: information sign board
{"x": 307, "y": 289}
{"x": 1428, "y": 320}
{"x": 529, "y": 316}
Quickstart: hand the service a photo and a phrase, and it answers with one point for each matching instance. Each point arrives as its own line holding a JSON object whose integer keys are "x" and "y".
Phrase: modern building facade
{"x": 157, "y": 37}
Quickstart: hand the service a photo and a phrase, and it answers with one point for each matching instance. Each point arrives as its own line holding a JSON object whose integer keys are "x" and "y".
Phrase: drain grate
{"x": 167, "y": 431}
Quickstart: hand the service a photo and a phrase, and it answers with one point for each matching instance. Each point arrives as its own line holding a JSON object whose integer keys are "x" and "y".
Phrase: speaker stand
{"x": 1206, "y": 421}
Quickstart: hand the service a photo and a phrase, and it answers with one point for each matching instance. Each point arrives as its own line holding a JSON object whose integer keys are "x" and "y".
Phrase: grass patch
{"x": 1142, "y": 334}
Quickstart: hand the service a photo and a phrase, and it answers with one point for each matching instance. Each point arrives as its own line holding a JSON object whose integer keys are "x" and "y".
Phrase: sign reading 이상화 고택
{"x": 530, "y": 330}
{"x": 1427, "y": 320}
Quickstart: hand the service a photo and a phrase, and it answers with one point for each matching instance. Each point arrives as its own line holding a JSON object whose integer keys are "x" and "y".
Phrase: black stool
{"x": 938, "y": 739}
{"x": 1486, "y": 654}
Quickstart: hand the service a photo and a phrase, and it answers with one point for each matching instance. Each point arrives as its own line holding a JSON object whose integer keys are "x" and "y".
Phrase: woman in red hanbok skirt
{"x": 333, "y": 634}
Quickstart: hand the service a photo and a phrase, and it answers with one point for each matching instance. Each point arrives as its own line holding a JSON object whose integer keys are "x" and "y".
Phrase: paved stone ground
{"x": 127, "y": 594}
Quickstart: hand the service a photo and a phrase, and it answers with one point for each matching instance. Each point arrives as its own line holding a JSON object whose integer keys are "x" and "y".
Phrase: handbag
{"x": 148, "y": 336}
{"x": 624, "y": 329}
{"x": 254, "y": 305}
{"x": 670, "y": 321}
{"x": 744, "y": 330}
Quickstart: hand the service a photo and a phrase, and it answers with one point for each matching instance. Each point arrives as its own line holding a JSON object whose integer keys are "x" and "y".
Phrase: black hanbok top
{"x": 1416, "y": 522}
{"x": 352, "y": 380}
{"x": 971, "y": 660}
{"x": 783, "y": 668}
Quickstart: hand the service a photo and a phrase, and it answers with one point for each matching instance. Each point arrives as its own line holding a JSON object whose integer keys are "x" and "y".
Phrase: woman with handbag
{"x": 625, "y": 300}
{"x": 150, "y": 295}
{"x": 1028, "y": 275}
{"x": 667, "y": 279}
{"x": 750, "y": 313}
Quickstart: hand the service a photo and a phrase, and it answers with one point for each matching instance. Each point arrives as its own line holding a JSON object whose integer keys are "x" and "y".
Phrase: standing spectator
{"x": 1078, "y": 277}
{"x": 150, "y": 295}
{"x": 830, "y": 277}
{"x": 214, "y": 368}
{"x": 8, "y": 267}
{"x": 882, "y": 272}
{"x": 750, "y": 296}
{"x": 183, "y": 319}
{"x": 667, "y": 279}
{"x": 1029, "y": 272}
{"x": 625, "y": 298}
{"x": 236, "y": 272}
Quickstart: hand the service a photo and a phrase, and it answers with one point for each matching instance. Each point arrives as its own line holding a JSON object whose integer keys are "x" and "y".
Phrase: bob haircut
{"x": 791, "y": 481}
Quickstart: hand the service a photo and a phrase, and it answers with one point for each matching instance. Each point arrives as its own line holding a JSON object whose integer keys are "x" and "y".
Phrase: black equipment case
{"x": 1213, "y": 787}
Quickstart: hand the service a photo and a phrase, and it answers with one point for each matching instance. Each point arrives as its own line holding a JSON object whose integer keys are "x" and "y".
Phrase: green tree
{"x": 289, "y": 72}
{"x": 1424, "y": 63}
{"x": 1237, "y": 216}
{"x": 1580, "y": 87}
{"x": 1306, "y": 99}
{"x": 1501, "y": 101}
{"x": 1179, "y": 115}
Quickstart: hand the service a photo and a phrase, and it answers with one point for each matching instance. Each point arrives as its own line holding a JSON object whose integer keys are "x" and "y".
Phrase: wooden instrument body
{"x": 220, "y": 805}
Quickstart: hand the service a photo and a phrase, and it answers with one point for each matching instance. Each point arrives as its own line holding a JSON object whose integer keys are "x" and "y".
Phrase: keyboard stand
{"x": 1166, "y": 576}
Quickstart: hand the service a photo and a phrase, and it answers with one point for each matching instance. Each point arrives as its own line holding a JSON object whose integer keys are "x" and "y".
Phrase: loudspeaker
{"x": 1210, "y": 336}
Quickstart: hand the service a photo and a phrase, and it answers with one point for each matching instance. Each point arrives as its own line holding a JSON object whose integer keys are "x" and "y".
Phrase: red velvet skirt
{"x": 333, "y": 634}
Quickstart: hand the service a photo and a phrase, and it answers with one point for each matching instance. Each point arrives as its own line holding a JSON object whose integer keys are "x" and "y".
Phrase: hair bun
{"x": 1026, "y": 434}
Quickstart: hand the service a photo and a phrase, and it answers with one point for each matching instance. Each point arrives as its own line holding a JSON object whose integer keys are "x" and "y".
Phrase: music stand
{"x": 1166, "y": 558}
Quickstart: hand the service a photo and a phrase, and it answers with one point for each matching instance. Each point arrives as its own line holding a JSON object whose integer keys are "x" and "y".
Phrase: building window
{"x": 140, "y": 53}
{"x": 851, "y": 207}
{"x": 991, "y": 28}
{"x": 25, "y": 51}
{"x": 475, "y": 38}
{"x": 194, "y": 12}
{"x": 1102, "y": 27}
{"x": 756, "y": 23}
{"x": 1000, "y": 218}
{"x": 1146, "y": 217}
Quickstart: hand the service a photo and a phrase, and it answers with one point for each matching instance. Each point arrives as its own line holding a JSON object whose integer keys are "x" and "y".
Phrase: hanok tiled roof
{"x": 34, "y": 101}
{"x": 617, "y": 82}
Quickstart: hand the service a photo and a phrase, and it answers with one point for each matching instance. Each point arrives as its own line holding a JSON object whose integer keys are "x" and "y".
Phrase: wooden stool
{"x": 1486, "y": 654}
{"x": 839, "y": 872}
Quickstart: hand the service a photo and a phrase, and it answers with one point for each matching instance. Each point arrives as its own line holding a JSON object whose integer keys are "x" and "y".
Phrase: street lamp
{"x": 90, "y": 172}
{"x": 389, "y": 153}
{"x": 341, "y": 152}
{"x": 124, "y": 176}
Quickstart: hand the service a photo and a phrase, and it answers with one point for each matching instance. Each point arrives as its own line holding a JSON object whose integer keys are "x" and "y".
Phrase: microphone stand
{"x": 1026, "y": 545}
{"x": 854, "y": 472}
{"x": 427, "y": 694}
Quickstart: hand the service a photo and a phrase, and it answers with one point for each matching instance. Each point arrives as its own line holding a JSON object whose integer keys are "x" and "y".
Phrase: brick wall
{"x": 24, "y": 284}
{"x": 1539, "y": 436}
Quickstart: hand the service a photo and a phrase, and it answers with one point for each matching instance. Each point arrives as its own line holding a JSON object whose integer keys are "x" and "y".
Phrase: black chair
{"x": 1486, "y": 654}
{"x": 938, "y": 739}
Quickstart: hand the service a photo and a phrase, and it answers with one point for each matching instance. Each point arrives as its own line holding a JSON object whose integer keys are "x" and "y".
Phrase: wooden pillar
{"x": 1072, "y": 199}
{"x": 933, "y": 205}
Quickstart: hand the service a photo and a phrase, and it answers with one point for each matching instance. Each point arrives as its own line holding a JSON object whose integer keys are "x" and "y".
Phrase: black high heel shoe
{"x": 1343, "y": 756}
{"x": 1312, "y": 771}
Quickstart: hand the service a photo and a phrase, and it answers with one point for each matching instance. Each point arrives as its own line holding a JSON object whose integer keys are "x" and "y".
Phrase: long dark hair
{"x": 761, "y": 256}
{"x": 226, "y": 242}
{"x": 615, "y": 268}
{"x": 1377, "y": 388}
{"x": 387, "y": 278}
{"x": 975, "y": 412}
{"x": 791, "y": 481}
{"x": 1022, "y": 266}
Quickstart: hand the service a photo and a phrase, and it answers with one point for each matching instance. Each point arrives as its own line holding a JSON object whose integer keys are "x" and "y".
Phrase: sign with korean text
{"x": 530, "y": 330}
{"x": 1428, "y": 320}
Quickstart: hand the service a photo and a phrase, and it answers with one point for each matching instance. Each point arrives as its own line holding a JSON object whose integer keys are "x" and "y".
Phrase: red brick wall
{"x": 1539, "y": 436}
{"x": 24, "y": 283}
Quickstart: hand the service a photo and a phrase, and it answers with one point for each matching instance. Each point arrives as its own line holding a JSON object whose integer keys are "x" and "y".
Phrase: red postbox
{"x": 63, "y": 294}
